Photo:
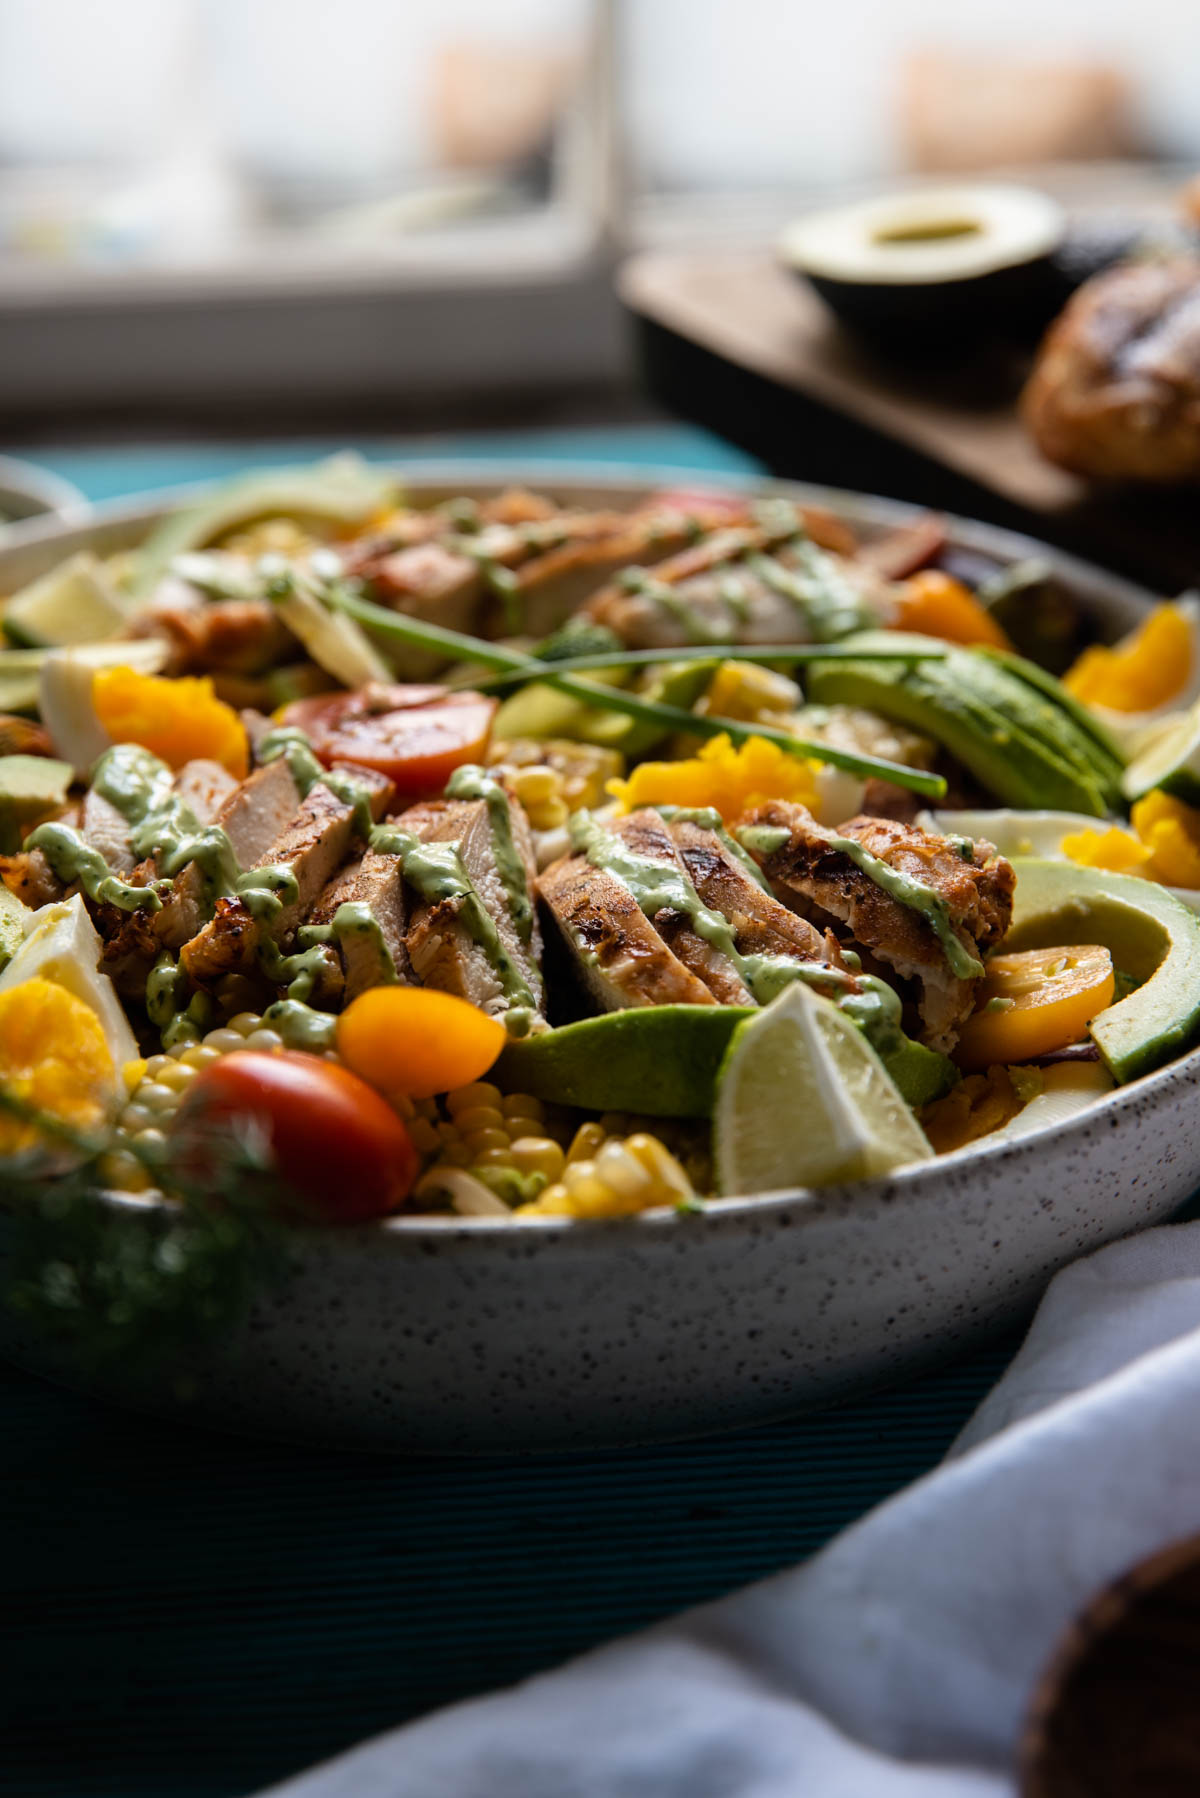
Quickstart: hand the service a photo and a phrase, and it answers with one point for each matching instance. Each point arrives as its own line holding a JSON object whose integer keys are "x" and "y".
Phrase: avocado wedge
{"x": 1006, "y": 731}
{"x": 1153, "y": 938}
{"x": 663, "y": 1061}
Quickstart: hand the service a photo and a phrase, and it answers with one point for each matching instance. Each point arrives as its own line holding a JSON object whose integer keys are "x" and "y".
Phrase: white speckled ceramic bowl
{"x": 468, "y": 1335}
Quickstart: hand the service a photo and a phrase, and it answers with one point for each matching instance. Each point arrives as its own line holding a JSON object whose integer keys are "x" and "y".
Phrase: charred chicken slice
{"x": 621, "y": 958}
{"x": 312, "y": 846}
{"x": 373, "y": 950}
{"x": 649, "y": 837}
{"x": 442, "y": 938}
{"x": 746, "y": 584}
{"x": 957, "y": 904}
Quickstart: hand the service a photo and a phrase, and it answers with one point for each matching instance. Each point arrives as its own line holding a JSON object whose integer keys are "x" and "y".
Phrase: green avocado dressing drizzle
{"x": 765, "y": 839}
{"x": 474, "y": 782}
{"x": 306, "y": 771}
{"x": 696, "y": 627}
{"x": 918, "y": 897}
{"x": 139, "y": 786}
{"x": 820, "y": 593}
{"x": 708, "y": 818}
{"x": 657, "y": 888}
{"x": 436, "y": 871}
{"x": 353, "y": 919}
{"x": 74, "y": 860}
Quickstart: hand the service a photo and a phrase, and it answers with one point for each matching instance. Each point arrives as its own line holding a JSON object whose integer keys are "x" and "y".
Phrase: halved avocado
{"x": 1154, "y": 939}
{"x": 934, "y": 265}
{"x": 663, "y": 1061}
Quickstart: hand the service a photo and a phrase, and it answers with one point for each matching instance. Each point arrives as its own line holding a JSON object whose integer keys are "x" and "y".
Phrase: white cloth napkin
{"x": 898, "y": 1662}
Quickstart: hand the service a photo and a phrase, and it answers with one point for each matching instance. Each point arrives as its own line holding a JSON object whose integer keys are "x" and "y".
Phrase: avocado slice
{"x": 540, "y": 711}
{"x": 13, "y": 918}
{"x": 663, "y": 1061}
{"x": 343, "y": 490}
{"x": 1105, "y": 749}
{"x": 1008, "y": 737}
{"x": 75, "y": 603}
{"x": 1153, "y": 938}
{"x": 30, "y": 787}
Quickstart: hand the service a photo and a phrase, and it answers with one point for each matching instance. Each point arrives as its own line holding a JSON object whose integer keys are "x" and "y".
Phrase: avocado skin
{"x": 1007, "y": 734}
{"x": 663, "y": 1061}
{"x": 1153, "y": 937}
{"x": 945, "y": 319}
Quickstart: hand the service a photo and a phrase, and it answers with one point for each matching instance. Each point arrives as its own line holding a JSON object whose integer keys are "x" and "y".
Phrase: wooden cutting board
{"x": 741, "y": 307}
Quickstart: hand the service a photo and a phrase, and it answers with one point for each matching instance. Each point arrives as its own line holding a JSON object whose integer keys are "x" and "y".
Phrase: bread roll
{"x": 1115, "y": 392}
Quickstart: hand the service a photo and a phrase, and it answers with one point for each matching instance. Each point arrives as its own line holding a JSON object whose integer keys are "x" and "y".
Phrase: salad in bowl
{"x": 518, "y": 860}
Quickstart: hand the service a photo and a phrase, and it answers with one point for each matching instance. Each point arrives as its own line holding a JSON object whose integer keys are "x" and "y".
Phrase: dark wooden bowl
{"x": 1117, "y": 1712}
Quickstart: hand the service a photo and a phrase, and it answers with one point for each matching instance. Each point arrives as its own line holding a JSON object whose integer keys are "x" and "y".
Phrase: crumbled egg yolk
{"x": 973, "y": 1109}
{"x": 53, "y": 1056}
{"x": 730, "y": 780}
{"x": 1170, "y": 831}
{"x": 1116, "y": 850}
{"x": 178, "y": 719}
{"x": 1141, "y": 673}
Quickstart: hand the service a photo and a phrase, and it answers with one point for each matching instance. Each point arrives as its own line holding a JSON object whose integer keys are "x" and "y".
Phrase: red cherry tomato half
{"x": 337, "y": 1144}
{"x": 417, "y": 736}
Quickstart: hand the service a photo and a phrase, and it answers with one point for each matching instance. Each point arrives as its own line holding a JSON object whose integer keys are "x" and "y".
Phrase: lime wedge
{"x": 1170, "y": 759}
{"x": 803, "y": 1100}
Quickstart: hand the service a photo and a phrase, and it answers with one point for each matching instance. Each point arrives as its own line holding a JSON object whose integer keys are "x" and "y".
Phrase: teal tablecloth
{"x": 190, "y": 1616}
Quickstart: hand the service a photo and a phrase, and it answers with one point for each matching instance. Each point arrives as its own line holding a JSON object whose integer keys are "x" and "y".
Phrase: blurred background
{"x": 383, "y": 211}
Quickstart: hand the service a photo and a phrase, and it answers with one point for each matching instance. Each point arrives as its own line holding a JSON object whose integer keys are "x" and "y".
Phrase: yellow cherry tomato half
{"x": 1033, "y": 1002}
{"x": 416, "y": 1041}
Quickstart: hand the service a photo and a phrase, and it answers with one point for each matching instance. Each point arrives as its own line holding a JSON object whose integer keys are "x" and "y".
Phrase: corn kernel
{"x": 659, "y": 1163}
{"x": 522, "y": 1105}
{"x": 584, "y": 1143}
{"x": 478, "y": 1117}
{"x": 123, "y": 1172}
{"x": 537, "y": 1155}
{"x": 267, "y": 1040}
{"x": 177, "y": 1075}
{"x": 480, "y": 1092}
{"x": 479, "y": 1141}
{"x": 621, "y": 1173}
{"x": 224, "y": 1040}
{"x": 533, "y": 785}
{"x": 425, "y": 1139}
{"x": 245, "y": 1023}
{"x": 201, "y": 1055}
{"x": 490, "y": 1157}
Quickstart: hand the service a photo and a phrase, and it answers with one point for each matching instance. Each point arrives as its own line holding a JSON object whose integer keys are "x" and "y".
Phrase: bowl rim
{"x": 50, "y": 496}
{"x": 431, "y": 474}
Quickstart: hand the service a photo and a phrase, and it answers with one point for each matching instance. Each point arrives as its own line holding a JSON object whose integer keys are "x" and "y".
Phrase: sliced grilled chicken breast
{"x": 621, "y": 958}
{"x": 441, "y": 947}
{"x": 821, "y": 879}
{"x": 370, "y": 957}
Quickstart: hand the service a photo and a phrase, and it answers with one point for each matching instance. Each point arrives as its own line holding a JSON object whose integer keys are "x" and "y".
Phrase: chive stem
{"x": 796, "y": 654}
{"x": 458, "y": 646}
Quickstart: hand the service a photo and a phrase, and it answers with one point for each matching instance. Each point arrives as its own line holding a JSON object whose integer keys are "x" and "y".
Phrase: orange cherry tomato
{"x": 937, "y": 605}
{"x": 417, "y": 1041}
{"x": 417, "y": 736}
{"x": 1034, "y": 1002}
{"x": 337, "y": 1144}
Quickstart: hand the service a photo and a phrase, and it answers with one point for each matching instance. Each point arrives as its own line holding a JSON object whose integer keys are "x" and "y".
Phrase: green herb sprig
{"x": 121, "y": 1280}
